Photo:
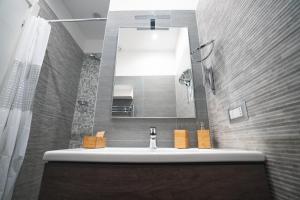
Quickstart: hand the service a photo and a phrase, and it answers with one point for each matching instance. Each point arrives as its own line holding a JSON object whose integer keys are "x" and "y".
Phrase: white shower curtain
{"x": 16, "y": 99}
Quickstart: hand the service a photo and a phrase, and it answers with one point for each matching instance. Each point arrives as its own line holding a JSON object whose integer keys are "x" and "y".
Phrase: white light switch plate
{"x": 236, "y": 113}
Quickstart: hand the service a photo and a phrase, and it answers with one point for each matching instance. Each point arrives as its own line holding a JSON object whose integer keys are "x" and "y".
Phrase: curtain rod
{"x": 77, "y": 20}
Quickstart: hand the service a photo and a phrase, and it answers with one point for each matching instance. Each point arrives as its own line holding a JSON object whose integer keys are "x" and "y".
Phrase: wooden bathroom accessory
{"x": 181, "y": 139}
{"x": 204, "y": 141}
{"x": 93, "y": 142}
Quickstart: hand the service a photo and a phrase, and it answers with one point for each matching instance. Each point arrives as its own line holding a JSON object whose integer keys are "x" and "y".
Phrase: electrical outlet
{"x": 238, "y": 112}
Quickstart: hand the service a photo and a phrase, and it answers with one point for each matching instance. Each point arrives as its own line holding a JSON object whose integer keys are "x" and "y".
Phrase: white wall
{"x": 117, "y": 5}
{"x": 183, "y": 60}
{"x": 184, "y": 107}
{"x": 12, "y": 14}
{"x": 145, "y": 63}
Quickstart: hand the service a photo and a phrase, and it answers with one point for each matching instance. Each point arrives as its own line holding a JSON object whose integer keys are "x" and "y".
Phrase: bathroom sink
{"x": 159, "y": 155}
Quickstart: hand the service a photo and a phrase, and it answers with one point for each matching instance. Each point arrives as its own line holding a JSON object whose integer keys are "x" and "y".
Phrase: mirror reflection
{"x": 153, "y": 74}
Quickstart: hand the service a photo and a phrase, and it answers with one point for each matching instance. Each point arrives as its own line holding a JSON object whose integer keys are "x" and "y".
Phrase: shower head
{"x": 186, "y": 78}
{"x": 95, "y": 56}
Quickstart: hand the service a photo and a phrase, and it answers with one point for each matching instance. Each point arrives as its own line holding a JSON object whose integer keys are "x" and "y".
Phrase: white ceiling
{"x": 85, "y": 9}
{"x": 117, "y": 5}
{"x": 132, "y": 39}
{"x": 89, "y": 35}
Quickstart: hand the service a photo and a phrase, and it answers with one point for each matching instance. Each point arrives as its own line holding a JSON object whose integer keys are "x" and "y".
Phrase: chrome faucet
{"x": 153, "y": 138}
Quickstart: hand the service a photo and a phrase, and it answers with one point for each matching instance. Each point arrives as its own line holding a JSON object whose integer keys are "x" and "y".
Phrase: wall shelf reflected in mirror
{"x": 152, "y": 70}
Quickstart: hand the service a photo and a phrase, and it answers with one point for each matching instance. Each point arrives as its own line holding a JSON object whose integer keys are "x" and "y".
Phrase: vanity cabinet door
{"x": 207, "y": 181}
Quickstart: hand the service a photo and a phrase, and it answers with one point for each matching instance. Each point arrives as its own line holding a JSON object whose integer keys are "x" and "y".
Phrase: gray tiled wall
{"x": 154, "y": 96}
{"x": 256, "y": 59}
{"x": 53, "y": 106}
{"x": 135, "y": 132}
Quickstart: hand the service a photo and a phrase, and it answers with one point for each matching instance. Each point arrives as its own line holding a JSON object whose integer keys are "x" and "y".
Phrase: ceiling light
{"x": 154, "y": 36}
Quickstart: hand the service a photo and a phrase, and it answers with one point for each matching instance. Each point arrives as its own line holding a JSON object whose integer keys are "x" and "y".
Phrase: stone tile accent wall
{"x": 53, "y": 106}
{"x": 257, "y": 60}
{"x": 87, "y": 92}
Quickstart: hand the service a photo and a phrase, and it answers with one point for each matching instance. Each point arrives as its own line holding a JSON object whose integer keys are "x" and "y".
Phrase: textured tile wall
{"x": 87, "y": 91}
{"x": 135, "y": 132}
{"x": 257, "y": 59}
{"x": 53, "y": 107}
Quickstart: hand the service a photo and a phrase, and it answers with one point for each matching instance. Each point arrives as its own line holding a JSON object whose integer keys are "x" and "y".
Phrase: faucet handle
{"x": 152, "y": 130}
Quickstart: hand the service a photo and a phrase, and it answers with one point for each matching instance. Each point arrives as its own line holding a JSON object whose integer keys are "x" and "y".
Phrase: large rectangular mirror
{"x": 153, "y": 74}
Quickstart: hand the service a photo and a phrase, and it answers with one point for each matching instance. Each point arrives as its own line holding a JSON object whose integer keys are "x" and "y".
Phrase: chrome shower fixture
{"x": 186, "y": 78}
{"x": 82, "y": 105}
{"x": 212, "y": 43}
{"x": 152, "y": 24}
{"x": 95, "y": 56}
{"x": 208, "y": 75}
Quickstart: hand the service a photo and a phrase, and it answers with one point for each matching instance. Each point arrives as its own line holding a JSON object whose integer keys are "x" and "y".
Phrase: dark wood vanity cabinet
{"x": 172, "y": 181}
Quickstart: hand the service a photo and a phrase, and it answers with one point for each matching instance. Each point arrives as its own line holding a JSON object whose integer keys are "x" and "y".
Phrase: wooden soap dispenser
{"x": 204, "y": 140}
{"x": 94, "y": 142}
{"x": 181, "y": 139}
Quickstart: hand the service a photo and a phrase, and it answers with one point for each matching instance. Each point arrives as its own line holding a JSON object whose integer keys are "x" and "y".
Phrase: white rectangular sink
{"x": 159, "y": 155}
